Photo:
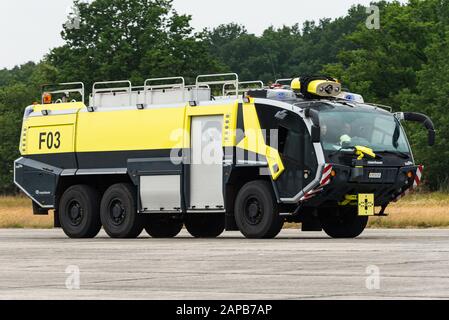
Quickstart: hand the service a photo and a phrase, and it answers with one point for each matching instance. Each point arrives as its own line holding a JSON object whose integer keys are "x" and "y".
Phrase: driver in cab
{"x": 345, "y": 138}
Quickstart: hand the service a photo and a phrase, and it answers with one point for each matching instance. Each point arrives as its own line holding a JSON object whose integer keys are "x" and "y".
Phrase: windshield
{"x": 346, "y": 129}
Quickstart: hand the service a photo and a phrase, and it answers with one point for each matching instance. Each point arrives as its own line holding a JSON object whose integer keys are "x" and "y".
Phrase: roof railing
{"x": 202, "y": 81}
{"x": 80, "y": 89}
{"x": 179, "y": 84}
{"x": 286, "y": 81}
{"x": 112, "y": 90}
{"x": 244, "y": 87}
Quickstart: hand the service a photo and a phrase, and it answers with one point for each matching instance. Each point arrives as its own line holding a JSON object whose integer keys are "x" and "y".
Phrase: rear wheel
{"x": 79, "y": 212}
{"x": 257, "y": 212}
{"x": 205, "y": 225}
{"x": 119, "y": 212}
{"x": 342, "y": 222}
{"x": 162, "y": 227}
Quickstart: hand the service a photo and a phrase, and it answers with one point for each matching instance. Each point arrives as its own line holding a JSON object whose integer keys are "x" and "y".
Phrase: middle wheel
{"x": 119, "y": 212}
{"x": 205, "y": 225}
{"x": 163, "y": 227}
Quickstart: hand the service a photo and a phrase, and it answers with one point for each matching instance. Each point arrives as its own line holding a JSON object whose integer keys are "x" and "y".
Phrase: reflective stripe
{"x": 325, "y": 180}
{"x": 416, "y": 183}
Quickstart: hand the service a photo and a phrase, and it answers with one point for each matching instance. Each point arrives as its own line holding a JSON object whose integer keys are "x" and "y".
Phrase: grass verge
{"x": 17, "y": 212}
{"x": 421, "y": 210}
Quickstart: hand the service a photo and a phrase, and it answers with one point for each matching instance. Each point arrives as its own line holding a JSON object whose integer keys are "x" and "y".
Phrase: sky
{"x": 30, "y": 28}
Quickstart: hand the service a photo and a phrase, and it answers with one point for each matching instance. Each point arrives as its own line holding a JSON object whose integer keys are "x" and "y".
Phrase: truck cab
{"x": 345, "y": 160}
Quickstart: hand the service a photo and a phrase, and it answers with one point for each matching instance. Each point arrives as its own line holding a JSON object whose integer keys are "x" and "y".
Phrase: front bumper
{"x": 386, "y": 183}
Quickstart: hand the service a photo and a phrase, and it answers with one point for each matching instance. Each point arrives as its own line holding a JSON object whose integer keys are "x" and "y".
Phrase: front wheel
{"x": 256, "y": 211}
{"x": 343, "y": 222}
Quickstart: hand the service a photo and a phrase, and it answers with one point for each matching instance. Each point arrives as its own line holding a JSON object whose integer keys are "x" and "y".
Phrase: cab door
{"x": 298, "y": 156}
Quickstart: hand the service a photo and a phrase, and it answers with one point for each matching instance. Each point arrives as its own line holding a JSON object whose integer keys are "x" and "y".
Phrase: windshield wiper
{"x": 401, "y": 154}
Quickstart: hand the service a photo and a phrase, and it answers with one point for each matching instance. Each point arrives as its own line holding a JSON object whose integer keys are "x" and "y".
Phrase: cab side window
{"x": 289, "y": 145}
{"x": 309, "y": 152}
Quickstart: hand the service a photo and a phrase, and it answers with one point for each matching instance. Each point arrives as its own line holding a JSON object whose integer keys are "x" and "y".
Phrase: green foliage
{"x": 133, "y": 39}
{"x": 404, "y": 64}
{"x": 13, "y": 99}
{"x": 284, "y": 52}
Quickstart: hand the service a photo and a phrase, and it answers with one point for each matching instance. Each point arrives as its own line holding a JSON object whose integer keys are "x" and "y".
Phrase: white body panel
{"x": 160, "y": 193}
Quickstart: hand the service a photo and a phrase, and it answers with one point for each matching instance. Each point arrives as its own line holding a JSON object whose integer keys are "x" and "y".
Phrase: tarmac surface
{"x": 381, "y": 264}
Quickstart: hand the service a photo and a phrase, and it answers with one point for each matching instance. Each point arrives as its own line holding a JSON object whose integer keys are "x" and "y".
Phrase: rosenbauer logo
{"x": 42, "y": 193}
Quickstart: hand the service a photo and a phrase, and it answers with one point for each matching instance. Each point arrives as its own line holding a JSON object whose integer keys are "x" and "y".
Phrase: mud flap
{"x": 38, "y": 181}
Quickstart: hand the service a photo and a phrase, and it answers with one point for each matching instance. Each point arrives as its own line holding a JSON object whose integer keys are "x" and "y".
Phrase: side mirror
{"x": 316, "y": 134}
{"x": 421, "y": 118}
{"x": 432, "y": 138}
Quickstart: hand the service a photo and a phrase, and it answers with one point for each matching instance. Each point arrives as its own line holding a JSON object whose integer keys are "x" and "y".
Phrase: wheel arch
{"x": 238, "y": 177}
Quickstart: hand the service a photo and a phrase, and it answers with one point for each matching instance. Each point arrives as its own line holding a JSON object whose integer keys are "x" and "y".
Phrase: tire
{"x": 256, "y": 211}
{"x": 205, "y": 225}
{"x": 79, "y": 212}
{"x": 159, "y": 227}
{"x": 119, "y": 212}
{"x": 342, "y": 223}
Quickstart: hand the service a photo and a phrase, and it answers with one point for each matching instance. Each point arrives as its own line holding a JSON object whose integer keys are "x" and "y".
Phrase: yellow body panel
{"x": 133, "y": 129}
{"x": 51, "y": 139}
{"x": 49, "y": 134}
{"x": 125, "y": 130}
{"x": 254, "y": 141}
{"x": 59, "y": 106}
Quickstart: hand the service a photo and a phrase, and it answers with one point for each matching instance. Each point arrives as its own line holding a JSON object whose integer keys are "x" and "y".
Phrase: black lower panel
{"x": 116, "y": 159}
{"x": 58, "y": 160}
{"x": 97, "y": 160}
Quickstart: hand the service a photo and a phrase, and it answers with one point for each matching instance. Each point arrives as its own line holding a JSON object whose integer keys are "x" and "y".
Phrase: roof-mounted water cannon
{"x": 316, "y": 87}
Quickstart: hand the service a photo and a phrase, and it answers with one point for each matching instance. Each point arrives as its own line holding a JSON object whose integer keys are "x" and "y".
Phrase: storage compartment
{"x": 160, "y": 193}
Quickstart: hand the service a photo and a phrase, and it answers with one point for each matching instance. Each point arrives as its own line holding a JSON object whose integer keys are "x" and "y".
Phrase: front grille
{"x": 377, "y": 175}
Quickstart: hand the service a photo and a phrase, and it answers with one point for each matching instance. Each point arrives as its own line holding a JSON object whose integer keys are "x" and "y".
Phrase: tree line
{"x": 404, "y": 64}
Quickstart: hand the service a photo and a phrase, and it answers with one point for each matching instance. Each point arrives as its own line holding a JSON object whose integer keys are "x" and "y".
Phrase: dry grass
{"x": 17, "y": 212}
{"x": 420, "y": 210}
{"x": 429, "y": 210}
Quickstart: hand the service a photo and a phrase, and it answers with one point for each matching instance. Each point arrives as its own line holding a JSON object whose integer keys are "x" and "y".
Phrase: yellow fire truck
{"x": 217, "y": 155}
